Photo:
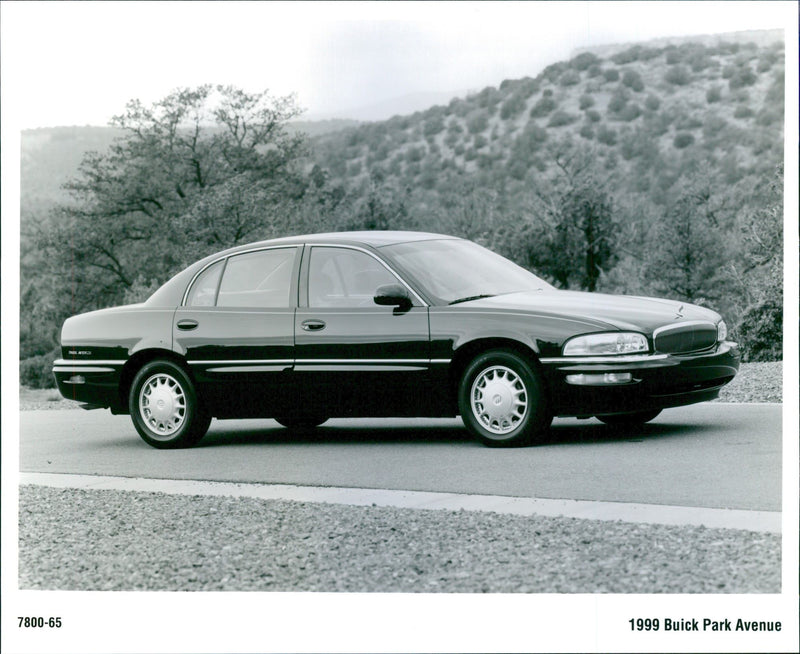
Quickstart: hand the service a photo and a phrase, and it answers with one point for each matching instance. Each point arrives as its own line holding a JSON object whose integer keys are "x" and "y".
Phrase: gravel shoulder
{"x": 153, "y": 541}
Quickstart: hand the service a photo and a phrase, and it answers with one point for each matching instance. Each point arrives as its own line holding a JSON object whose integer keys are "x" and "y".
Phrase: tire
{"x": 629, "y": 419}
{"x": 301, "y": 422}
{"x": 518, "y": 413}
{"x": 164, "y": 407}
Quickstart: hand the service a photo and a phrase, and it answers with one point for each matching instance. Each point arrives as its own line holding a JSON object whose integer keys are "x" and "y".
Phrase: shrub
{"x": 477, "y": 123}
{"x": 606, "y": 135}
{"x": 630, "y": 112}
{"x": 729, "y": 71}
{"x": 673, "y": 55}
{"x": 611, "y": 74}
{"x": 561, "y": 118}
{"x": 678, "y": 75}
{"x": 618, "y": 101}
{"x": 587, "y": 132}
{"x": 595, "y": 70}
{"x": 769, "y": 116}
{"x": 569, "y": 78}
{"x": 584, "y": 61}
{"x": 683, "y": 140}
{"x": 528, "y": 87}
{"x": 652, "y": 103}
{"x": 543, "y": 107}
{"x": 633, "y": 80}
{"x": 37, "y": 372}
{"x": 479, "y": 141}
{"x": 433, "y": 126}
{"x": 585, "y": 101}
{"x": 512, "y": 107}
{"x": 627, "y": 56}
{"x": 714, "y": 94}
{"x": 593, "y": 116}
{"x": 743, "y": 77}
{"x": 553, "y": 72}
{"x": 761, "y": 330}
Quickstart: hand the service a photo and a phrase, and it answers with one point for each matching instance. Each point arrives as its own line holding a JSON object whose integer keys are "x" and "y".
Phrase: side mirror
{"x": 393, "y": 295}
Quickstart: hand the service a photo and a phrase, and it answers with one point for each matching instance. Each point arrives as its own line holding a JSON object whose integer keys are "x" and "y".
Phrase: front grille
{"x": 685, "y": 337}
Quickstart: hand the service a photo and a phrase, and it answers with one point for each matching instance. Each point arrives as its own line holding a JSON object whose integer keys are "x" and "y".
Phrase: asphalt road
{"x": 708, "y": 455}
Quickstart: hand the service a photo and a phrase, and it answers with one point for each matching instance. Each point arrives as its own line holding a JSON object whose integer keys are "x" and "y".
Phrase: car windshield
{"x": 453, "y": 270}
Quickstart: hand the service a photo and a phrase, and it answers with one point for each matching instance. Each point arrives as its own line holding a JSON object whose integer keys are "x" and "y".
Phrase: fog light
{"x": 76, "y": 379}
{"x": 598, "y": 380}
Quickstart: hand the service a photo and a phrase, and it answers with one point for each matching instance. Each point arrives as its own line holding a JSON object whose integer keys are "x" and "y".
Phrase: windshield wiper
{"x": 471, "y": 297}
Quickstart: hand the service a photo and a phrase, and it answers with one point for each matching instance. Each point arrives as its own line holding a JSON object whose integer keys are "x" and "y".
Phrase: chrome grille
{"x": 685, "y": 337}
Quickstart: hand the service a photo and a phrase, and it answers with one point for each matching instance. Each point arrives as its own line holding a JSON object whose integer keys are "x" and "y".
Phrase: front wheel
{"x": 629, "y": 419}
{"x": 502, "y": 401}
{"x": 164, "y": 407}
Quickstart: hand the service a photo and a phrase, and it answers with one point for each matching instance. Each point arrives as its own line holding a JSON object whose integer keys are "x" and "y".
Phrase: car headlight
{"x": 611, "y": 343}
{"x": 722, "y": 331}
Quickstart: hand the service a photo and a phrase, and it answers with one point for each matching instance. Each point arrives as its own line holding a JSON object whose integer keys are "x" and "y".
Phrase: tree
{"x": 572, "y": 234}
{"x": 761, "y": 326}
{"x": 689, "y": 247}
{"x": 202, "y": 169}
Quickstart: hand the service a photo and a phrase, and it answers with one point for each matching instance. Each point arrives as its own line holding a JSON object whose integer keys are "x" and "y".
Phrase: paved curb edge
{"x": 760, "y": 521}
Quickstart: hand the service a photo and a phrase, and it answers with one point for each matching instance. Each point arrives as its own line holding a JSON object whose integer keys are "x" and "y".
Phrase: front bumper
{"x": 657, "y": 381}
{"x": 91, "y": 382}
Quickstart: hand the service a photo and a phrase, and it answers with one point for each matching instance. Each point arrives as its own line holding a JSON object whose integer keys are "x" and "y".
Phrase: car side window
{"x": 260, "y": 279}
{"x": 204, "y": 290}
{"x": 340, "y": 277}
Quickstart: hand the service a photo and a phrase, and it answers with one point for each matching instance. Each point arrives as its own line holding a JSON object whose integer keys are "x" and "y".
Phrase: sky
{"x": 76, "y": 63}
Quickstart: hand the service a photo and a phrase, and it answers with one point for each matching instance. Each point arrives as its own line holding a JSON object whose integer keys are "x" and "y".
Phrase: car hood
{"x": 626, "y": 312}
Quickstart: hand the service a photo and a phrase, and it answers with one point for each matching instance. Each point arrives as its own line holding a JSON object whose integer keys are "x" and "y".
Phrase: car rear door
{"x": 236, "y": 330}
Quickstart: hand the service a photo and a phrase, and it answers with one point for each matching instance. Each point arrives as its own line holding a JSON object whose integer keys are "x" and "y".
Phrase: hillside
{"x": 641, "y": 111}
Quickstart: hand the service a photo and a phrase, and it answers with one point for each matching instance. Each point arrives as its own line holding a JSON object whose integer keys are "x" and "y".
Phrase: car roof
{"x": 373, "y": 238}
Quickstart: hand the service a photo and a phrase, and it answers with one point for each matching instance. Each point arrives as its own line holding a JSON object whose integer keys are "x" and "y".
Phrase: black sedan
{"x": 306, "y": 328}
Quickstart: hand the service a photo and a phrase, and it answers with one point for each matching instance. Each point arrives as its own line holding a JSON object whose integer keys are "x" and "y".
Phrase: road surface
{"x": 707, "y": 455}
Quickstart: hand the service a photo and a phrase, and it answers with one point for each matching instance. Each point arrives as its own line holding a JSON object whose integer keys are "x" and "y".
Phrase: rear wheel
{"x": 164, "y": 407}
{"x": 629, "y": 419}
{"x": 501, "y": 400}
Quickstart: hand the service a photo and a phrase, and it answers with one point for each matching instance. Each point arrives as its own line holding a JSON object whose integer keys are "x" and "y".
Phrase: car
{"x": 387, "y": 324}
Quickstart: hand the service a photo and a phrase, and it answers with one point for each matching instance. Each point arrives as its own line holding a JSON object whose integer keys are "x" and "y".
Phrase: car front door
{"x": 354, "y": 357}
{"x": 236, "y": 330}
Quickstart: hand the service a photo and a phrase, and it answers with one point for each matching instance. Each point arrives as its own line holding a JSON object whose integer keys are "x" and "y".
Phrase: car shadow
{"x": 450, "y": 433}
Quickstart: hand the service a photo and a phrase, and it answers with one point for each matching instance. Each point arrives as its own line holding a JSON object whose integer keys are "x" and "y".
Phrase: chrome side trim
{"x": 360, "y": 362}
{"x": 243, "y": 362}
{"x": 92, "y": 362}
{"x": 679, "y": 325}
{"x": 80, "y": 369}
{"x": 611, "y": 358}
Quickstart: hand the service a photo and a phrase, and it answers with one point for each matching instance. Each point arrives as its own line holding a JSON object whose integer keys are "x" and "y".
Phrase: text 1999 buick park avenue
{"x": 391, "y": 324}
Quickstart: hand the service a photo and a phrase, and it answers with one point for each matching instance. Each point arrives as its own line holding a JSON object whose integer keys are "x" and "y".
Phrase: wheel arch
{"x": 468, "y": 351}
{"x": 136, "y": 362}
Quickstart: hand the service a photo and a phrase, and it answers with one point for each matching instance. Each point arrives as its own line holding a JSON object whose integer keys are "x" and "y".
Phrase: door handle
{"x": 313, "y": 325}
{"x": 186, "y": 325}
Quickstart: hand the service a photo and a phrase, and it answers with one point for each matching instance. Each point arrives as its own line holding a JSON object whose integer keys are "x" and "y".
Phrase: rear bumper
{"x": 657, "y": 381}
{"x": 91, "y": 382}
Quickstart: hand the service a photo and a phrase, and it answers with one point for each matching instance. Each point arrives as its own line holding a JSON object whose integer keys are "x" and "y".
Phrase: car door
{"x": 354, "y": 357}
{"x": 236, "y": 330}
